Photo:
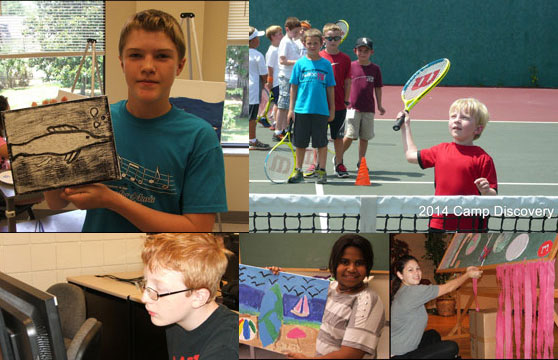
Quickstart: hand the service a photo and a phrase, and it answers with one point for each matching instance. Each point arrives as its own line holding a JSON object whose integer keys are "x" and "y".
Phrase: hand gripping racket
{"x": 424, "y": 80}
{"x": 281, "y": 160}
{"x": 262, "y": 119}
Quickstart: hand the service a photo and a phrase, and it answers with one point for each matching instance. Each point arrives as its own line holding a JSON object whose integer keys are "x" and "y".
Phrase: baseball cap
{"x": 363, "y": 41}
{"x": 256, "y": 33}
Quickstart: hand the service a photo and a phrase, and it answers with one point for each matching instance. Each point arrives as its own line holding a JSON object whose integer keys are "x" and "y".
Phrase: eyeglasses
{"x": 154, "y": 294}
{"x": 333, "y": 38}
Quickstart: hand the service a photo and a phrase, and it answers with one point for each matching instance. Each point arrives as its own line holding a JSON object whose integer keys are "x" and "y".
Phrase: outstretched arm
{"x": 409, "y": 147}
{"x": 471, "y": 273}
{"x": 144, "y": 218}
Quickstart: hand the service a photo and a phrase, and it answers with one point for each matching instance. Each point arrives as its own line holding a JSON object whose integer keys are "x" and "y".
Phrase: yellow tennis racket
{"x": 422, "y": 81}
{"x": 344, "y": 29}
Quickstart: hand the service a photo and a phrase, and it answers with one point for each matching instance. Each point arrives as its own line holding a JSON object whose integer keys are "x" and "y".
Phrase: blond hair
{"x": 201, "y": 258}
{"x": 154, "y": 20}
{"x": 272, "y": 30}
{"x": 331, "y": 27}
{"x": 312, "y": 33}
{"x": 475, "y": 109}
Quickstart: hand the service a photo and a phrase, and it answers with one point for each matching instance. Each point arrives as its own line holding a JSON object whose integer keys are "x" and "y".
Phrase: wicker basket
{"x": 445, "y": 306}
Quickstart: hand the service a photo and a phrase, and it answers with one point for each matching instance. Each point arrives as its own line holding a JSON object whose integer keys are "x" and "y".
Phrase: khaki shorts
{"x": 361, "y": 126}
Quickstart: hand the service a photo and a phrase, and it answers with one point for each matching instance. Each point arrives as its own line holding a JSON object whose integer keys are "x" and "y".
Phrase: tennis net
{"x": 396, "y": 214}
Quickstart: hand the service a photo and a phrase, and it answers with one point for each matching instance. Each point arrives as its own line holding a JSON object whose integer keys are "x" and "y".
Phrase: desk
{"x": 10, "y": 197}
{"x": 127, "y": 329}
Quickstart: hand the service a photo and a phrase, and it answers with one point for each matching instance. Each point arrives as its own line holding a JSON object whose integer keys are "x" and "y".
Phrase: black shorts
{"x": 310, "y": 125}
{"x": 275, "y": 92}
{"x": 253, "y": 111}
{"x": 336, "y": 127}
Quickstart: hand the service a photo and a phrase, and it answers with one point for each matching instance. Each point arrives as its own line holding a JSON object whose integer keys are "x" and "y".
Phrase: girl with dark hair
{"x": 354, "y": 314}
{"x": 408, "y": 314}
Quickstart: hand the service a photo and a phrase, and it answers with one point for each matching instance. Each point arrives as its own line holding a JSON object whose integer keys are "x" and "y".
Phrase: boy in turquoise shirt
{"x": 312, "y": 100}
{"x": 171, "y": 161}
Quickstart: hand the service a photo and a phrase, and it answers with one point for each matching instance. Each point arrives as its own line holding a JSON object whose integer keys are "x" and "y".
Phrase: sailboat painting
{"x": 301, "y": 308}
{"x": 286, "y": 309}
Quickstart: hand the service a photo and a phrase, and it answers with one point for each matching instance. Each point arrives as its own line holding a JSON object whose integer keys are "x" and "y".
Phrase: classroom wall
{"x": 490, "y": 43}
{"x": 211, "y": 19}
{"x": 43, "y": 259}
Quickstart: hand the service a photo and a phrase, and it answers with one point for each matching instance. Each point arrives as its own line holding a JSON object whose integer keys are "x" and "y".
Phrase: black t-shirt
{"x": 215, "y": 339}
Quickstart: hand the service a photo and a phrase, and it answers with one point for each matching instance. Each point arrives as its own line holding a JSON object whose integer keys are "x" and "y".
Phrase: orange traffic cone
{"x": 362, "y": 177}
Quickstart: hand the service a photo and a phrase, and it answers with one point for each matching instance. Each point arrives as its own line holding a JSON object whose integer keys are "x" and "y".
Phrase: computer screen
{"x": 29, "y": 323}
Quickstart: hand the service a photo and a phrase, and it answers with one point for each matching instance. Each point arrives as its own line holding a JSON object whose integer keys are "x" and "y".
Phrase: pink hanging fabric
{"x": 534, "y": 282}
{"x": 507, "y": 312}
{"x": 475, "y": 287}
{"x": 528, "y": 312}
{"x": 549, "y": 268}
{"x": 500, "y": 315}
{"x": 519, "y": 283}
{"x": 517, "y": 289}
{"x": 541, "y": 311}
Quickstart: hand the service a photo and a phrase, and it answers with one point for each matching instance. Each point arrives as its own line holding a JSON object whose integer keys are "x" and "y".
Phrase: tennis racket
{"x": 344, "y": 28}
{"x": 280, "y": 162}
{"x": 424, "y": 80}
{"x": 262, "y": 119}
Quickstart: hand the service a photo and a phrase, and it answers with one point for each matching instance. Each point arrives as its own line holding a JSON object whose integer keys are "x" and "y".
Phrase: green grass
{"x": 235, "y": 128}
{"x": 23, "y": 97}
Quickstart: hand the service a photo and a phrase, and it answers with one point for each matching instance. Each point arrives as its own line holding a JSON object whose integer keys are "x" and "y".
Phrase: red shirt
{"x": 341, "y": 64}
{"x": 456, "y": 167}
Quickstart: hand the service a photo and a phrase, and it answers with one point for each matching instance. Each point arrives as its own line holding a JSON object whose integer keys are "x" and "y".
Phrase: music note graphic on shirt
{"x": 156, "y": 178}
{"x": 140, "y": 181}
{"x": 166, "y": 186}
{"x": 146, "y": 178}
{"x": 135, "y": 167}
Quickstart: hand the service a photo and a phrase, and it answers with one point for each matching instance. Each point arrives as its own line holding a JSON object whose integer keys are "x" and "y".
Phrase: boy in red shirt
{"x": 460, "y": 168}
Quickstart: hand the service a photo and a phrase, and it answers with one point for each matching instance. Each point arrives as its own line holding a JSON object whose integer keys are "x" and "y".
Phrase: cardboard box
{"x": 482, "y": 326}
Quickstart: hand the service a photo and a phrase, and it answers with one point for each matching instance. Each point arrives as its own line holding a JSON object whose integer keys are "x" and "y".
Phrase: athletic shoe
{"x": 341, "y": 171}
{"x": 264, "y": 122}
{"x": 258, "y": 145}
{"x": 311, "y": 171}
{"x": 322, "y": 176}
{"x": 278, "y": 137}
{"x": 296, "y": 177}
{"x": 272, "y": 127}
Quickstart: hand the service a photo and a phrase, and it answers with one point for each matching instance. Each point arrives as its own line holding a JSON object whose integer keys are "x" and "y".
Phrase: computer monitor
{"x": 29, "y": 323}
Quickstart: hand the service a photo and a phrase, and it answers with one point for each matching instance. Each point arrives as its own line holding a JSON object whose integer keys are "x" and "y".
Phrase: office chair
{"x": 82, "y": 337}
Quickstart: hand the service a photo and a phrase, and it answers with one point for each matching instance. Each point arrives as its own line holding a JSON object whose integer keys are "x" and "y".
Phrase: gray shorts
{"x": 361, "y": 126}
{"x": 284, "y": 92}
{"x": 310, "y": 125}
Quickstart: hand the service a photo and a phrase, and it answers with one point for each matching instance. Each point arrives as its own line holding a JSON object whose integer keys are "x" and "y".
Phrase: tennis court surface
{"x": 520, "y": 137}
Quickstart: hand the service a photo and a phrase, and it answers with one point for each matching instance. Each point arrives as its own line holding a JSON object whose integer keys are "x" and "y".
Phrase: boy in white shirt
{"x": 288, "y": 53}
{"x": 257, "y": 72}
{"x": 274, "y": 33}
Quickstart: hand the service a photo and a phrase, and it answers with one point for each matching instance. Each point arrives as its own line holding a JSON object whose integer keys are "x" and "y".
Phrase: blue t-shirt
{"x": 312, "y": 77}
{"x": 172, "y": 163}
